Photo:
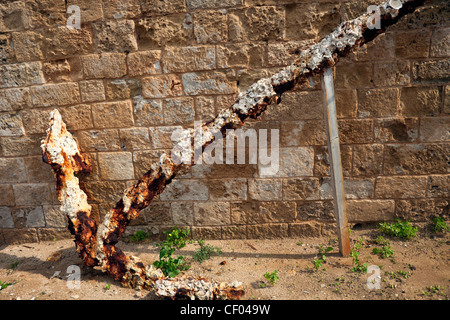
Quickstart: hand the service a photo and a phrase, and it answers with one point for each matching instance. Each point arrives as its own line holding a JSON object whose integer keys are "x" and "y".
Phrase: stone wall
{"x": 137, "y": 69}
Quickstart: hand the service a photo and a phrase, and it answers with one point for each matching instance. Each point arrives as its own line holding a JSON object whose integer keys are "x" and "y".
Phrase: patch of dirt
{"x": 43, "y": 271}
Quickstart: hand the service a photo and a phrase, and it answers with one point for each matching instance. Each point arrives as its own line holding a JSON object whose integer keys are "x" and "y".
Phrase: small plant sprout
{"x": 272, "y": 277}
{"x": 400, "y": 229}
{"x": 175, "y": 239}
{"x": 354, "y": 253}
{"x": 438, "y": 225}
{"x": 386, "y": 250}
{"x": 205, "y": 251}
{"x": 321, "y": 257}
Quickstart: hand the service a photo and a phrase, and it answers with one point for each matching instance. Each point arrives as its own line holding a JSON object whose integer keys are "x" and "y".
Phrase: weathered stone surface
{"x": 421, "y": 209}
{"x": 207, "y": 83}
{"x": 439, "y": 186}
{"x": 273, "y": 212}
{"x": 401, "y": 187}
{"x": 284, "y": 53}
{"x": 413, "y": 159}
{"x": 117, "y": 9}
{"x": 38, "y": 171}
{"x": 99, "y": 140}
{"x": 7, "y": 195}
{"x": 148, "y": 112}
{"x": 396, "y": 130}
{"x": 301, "y": 189}
{"x": 265, "y": 189}
{"x": 104, "y": 192}
{"x": 268, "y": 231}
{"x": 298, "y": 105}
{"x": 305, "y": 229}
{"x": 207, "y": 233}
{"x": 53, "y": 234}
{"x": 21, "y": 146}
{"x": 210, "y": 26}
{"x": 414, "y": 44}
{"x": 161, "y": 86}
{"x": 115, "y": 36}
{"x": 185, "y": 189}
{"x": 21, "y": 74}
{"x": 346, "y": 105}
{"x": 14, "y": 99}
{"x": 135, "y": 139}
{"x": 368, "y": 160}
{"x": 234, "y": 232}
{"x": 356, "y": 130}
{"x": 92, "y": 90}
{"x": 162, "y": 7}
{"x": 377, "y": 102}
{"x": 256, "y": 24}
{"x": 158, "y": 213}
{"x": 212, "y": 4}
{"x": 63, "y": 70}
{"x": 435, "y": 129}
{"x": 116, "y": 165}
{"x": 91, "y": 11}
{"x": 205, "y": 108}
{"x": 370, "y": 210}
{"x": 355, "y": 188}
{"x": 227, "y": 189}
{"x": 440, "y": 43}
{"x": 19, "y": 236}
{"x": 303, "y": 133}
{"x": 6, "y": 220}
{"x": 120, "y": 89}
{"x": 311, "y": 20}
{"x": 27, "y": 45}
{"x": 392, "y": 73}
{"x": 13, "y": 16}
{"x": 354, "y": 75}
{"x": 54, "y": 217}
{"x": 55, "y": 94}
{"x": 212, "y": 213}
{"x": 182, "y": 213}
{"x": 189, "y": 59}
{"x": 7, "y": 54}
{"x": 62, "y": 42}
{"x": 143, "y": 160}
{"x": 433, "y": 71}
{"x": 322, "y": 161}
{"x": 12, "y": 170}
{"x": 420, "y": 101}
{"x": 159, "y": 31}
{"x": 29, "y": 217}
{"x": 293, "y": 162}
{"x": 178, "y": 111}
{"x": 105, "y": 65}
{"x": 144, "y": 63}
{"x": 447, "y": 99}
{"x": 32, "y": 194}
{"x": 11, "y": 125}
{"x": 113, "y": 114}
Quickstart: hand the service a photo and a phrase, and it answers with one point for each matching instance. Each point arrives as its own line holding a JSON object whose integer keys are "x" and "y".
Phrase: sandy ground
{"x": 43, "y": 271}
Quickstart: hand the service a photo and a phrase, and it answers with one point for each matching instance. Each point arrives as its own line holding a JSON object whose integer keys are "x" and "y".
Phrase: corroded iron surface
{"x": 97, "y": 244}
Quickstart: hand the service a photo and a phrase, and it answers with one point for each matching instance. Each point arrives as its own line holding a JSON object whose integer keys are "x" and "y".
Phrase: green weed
{"x": 175, "y": 239}
{"x": 272, "y": 277}
{"x": 354, "y": 253}
{"x": 438, "y": 225}
{"x": 205, "y": 251}
{"x": 400, "y": 229}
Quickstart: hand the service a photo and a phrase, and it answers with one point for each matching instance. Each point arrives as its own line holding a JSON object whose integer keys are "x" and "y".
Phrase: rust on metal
{"x": 96, "y": 244}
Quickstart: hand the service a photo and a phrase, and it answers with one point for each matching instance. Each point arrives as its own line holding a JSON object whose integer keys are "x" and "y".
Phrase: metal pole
{"x": 337, "y": 177}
